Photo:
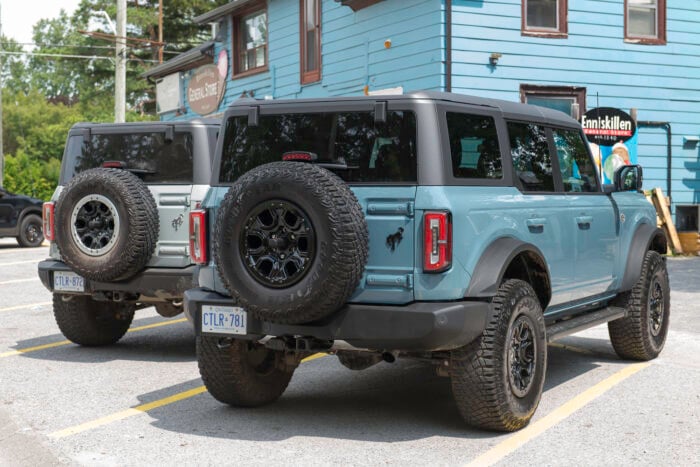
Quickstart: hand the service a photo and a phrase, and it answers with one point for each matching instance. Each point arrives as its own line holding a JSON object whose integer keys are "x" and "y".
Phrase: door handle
{"x": 537, "y": 222}
{"x": 584, "y": 221}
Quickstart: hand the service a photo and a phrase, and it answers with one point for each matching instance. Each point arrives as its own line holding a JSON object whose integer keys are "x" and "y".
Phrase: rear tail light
{"x": 198, "y": 236}
{"x": 437, "y": 240}
{"x": 47, "y": 214}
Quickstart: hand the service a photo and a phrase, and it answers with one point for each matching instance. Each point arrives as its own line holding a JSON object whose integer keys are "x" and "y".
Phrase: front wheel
{"x": 641, "y": 335}
{"x": 89, "y": 322}
{"x": 242, "y": 373}
{"x": 497, "y": 379}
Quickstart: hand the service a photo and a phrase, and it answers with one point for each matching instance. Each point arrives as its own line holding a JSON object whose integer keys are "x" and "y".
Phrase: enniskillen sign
{"x": 206, "y": 89}
{"x": 606, "y": 126}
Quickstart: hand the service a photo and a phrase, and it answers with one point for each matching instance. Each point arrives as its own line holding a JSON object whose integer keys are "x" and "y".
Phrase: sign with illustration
{"x": 613, "y": 137}
{"x": 207, "y": 86}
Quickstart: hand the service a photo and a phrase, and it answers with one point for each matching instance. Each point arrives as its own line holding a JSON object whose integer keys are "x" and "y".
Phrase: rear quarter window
{"x": 351, "y": 144}
{"x": 474, "y": 146}
{"x": 155, "y": 159}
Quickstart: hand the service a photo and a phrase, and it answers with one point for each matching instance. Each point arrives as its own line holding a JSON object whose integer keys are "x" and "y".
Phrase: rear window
{"x": 153, "y": 158}
{"x": 350, "y": 144}
{"x": 531, "y": 159}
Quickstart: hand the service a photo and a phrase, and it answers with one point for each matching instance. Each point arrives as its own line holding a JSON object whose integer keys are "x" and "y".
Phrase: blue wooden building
{"x": 641, "y": 56}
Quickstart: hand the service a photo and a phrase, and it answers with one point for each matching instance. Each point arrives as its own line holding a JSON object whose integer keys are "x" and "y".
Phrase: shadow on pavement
{"x": 386, "y": 403}
{"x": 172, "y": 343}
{"x": 682, "y": 273}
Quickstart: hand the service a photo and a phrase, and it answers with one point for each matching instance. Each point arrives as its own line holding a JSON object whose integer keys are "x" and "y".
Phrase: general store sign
{"x": 207, "y": 86}
{"x": 606, "y": 126}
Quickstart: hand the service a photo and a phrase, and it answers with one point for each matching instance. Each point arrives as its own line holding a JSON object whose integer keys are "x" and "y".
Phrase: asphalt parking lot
{"x": 141, "y": 401}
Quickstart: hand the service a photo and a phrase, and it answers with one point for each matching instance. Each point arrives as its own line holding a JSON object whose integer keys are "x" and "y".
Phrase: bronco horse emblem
{"x": 177, "y": 222}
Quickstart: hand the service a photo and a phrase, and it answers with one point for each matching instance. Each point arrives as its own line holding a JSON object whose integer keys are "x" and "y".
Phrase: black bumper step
{"x": 573, "y": 325}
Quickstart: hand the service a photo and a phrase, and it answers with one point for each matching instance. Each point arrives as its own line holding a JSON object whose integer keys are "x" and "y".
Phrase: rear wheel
{"x": 30, "y": 234}
{"x": 641, "y": 335}
{"x": 242, "y": 373}
{"x": 497, "y": 379}
{"x": 91, "y": 323}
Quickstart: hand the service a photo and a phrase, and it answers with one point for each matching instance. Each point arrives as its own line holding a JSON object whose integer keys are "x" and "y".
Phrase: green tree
{"x": 14, "y": 68}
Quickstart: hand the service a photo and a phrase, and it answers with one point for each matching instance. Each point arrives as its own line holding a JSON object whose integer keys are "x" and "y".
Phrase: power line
{"x": 87, "y": 57}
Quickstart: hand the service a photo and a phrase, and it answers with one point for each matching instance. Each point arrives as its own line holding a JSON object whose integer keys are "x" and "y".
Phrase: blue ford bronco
{"x": 462, "y": 231}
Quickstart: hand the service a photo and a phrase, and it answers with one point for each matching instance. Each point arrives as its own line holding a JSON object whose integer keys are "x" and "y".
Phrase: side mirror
{"x": 629, "y": 178}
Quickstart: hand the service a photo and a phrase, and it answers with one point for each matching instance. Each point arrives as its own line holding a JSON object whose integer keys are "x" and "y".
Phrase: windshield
{"x": 351, "y": 144}
{"x": 150, "y": 155}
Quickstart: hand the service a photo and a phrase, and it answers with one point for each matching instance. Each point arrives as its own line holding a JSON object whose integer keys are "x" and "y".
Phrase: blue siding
{"x": 662, "y": 82}
{"x": 353, "y": 52}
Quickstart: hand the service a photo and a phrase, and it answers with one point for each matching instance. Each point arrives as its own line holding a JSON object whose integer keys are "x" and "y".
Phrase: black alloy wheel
{"x": 656, "y": 307}
{"x": 522, "y": 356}
{"x": 277, "y": 243}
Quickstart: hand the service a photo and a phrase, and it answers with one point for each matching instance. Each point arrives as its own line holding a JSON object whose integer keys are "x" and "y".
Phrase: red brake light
{"x": 47, "y": 214}
{"x": 299, "y": 156}
{"x": 437, "y": 241}
{"x": 114, "y": 165}
{"x": 198, "y": 236}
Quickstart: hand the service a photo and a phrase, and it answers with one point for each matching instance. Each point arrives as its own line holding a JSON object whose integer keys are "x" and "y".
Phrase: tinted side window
{"x": 355, "y": 147}
{"x": 474, "y": 146}
{"x": 530, "y": 153}
{"x": 154, "y": 159}
{"x": 577, "y": 170}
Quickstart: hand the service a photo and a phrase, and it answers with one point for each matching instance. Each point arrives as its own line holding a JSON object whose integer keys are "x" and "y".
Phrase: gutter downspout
{"x": 667, "y": 127}
{"x": 448, "y": 45}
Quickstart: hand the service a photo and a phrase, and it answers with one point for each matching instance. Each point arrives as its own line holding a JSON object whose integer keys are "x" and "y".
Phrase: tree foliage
{"x": 45, "y": 95}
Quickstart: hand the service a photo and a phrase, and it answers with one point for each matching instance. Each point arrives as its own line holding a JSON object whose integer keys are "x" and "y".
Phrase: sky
{"x": 19, "y": 16}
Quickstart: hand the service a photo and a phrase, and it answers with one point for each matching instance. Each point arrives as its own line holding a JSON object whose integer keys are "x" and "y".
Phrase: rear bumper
{"x": 154, "y": 283}
{"x": 419, "y": 326}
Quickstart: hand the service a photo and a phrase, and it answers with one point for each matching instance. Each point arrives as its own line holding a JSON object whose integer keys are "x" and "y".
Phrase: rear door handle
{"x": 538, "y": 222}
{"x": 584, "y": 221}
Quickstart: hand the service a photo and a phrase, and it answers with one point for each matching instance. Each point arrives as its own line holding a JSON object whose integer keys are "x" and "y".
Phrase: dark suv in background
{"x": 20, "y": 217}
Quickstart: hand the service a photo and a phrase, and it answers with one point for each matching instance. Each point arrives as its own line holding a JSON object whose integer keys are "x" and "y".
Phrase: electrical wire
{"x": 87, "y": 57}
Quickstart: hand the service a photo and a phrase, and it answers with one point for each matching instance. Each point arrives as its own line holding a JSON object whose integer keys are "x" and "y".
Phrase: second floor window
{"x": 645, "y": 21}
{"x": 310, "y": 22}
{"x": 250, "y": 42}
{"x": 544, "y": 18}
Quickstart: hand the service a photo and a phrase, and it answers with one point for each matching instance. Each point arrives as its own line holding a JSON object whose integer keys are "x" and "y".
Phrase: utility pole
{"x": 160, "y": 31}
{"x": 120, "y": 64}
{"x": 2, "y": 154}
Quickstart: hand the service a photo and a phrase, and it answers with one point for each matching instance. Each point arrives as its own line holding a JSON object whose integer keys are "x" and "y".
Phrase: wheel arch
{"x": 647, "y": 237}
{"x": 510, "y": 258}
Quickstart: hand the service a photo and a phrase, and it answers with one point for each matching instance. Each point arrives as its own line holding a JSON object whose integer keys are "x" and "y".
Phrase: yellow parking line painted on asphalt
{"x": 62, "y": 343}
{"x": 143, "y": 408}
{"x": 15, "y": 263}
{"x": 157, "y": 325}
{"x": 22, "y": 307}
{"x": 34, "y": 349}
{"x": 17, "y": 281}
{"x": 532, "y": 431}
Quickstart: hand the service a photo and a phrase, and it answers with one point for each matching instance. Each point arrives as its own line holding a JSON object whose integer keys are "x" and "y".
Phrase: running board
{"x": 587, "y": 320}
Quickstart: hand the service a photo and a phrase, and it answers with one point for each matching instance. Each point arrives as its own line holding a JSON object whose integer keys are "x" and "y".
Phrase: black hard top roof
{"x": 134, "y": 125}
{"x": 509, "y": 109}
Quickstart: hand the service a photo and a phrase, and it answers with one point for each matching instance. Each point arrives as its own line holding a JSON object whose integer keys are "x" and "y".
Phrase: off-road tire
{"x": 480, "y": 373}
{"x": 232, "y": 378}
{"x": 635, "y": 337}
{"x": 136, "y": 236}
{"x": 92, "y": 323}
{"x": 30, "y": 233}
{"x": 337, "y": 223}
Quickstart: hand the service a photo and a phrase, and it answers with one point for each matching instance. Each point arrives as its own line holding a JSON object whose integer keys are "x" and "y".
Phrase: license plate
{"x": 68, "y": 282}
{"x": 224, "y": 319}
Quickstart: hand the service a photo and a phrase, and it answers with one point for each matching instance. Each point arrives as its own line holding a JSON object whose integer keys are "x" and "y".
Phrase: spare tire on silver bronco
{"x": 290, "y": 242}
{"x": 106, "y": 224}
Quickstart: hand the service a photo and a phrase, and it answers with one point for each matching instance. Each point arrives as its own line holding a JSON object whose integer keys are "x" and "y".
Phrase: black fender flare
{"x": 493, "y": 263}
{"x": 642, "y": 241}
